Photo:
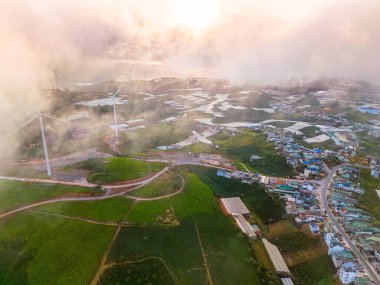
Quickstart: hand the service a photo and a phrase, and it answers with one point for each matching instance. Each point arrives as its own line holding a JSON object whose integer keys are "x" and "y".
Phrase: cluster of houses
{"x": 300, "y": 196}
{"x": 301, "y": 199}
{"x": 375, "y": 168}
{"x": 370, "y": 161}
{"x": 298, "y": 156}
{"x": 245, "y": 177}
{"x": 358, "y": 224}
{"x": 348, "y": 268}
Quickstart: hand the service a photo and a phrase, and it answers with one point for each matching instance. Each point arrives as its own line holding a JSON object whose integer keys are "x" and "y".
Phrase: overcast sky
{"x": 255, "y": 40}
{"x": 243, "y": 40}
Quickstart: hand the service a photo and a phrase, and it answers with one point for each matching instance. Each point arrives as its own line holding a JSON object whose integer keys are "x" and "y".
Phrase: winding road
{"x": 92, "y": 198}
{"x": 179, "y": 190}
{"x": 374, "y": 276}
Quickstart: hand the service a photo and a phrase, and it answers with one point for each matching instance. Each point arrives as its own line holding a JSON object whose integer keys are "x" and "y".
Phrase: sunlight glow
{"x": 196, "y": 14}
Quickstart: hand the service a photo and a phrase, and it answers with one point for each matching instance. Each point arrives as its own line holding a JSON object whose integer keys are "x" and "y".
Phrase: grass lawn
{"x": 14, "y": 194}
{"x": 243, "y": 145}
{"x": 163, "y": 185}
{"x": 37, "y": 249}
{"x": 113, "y": 209}
{"x": 370, "y": 200}
{"x": 315, "y": 272}
{"x": 123, "y": 169}
{"x": 197, "y": 198}
{"x": 149, "y": 271}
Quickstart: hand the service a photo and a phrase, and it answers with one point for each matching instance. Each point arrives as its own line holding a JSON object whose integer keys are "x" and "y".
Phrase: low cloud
{"x": 259, "y": 41}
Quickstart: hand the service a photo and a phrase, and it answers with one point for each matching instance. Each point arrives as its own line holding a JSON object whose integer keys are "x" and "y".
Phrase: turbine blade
{"x": 27, "y": 122}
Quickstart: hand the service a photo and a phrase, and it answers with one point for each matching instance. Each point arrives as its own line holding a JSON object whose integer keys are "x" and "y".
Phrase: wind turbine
{"x": 129, "y": 79}
{"x": 40, "y": 115}
{"x": 114, "y": 111}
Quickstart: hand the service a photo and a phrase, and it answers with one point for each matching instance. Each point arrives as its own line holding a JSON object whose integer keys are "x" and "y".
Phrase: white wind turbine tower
{"x": 114, "y": 103}
{"x": 44, "y": 144}
{"x": 114, "y": 110}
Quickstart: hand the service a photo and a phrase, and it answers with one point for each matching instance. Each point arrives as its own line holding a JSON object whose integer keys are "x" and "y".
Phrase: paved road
{"x": 48, "y": 181}
{"x": 354, "y": 249}
{"x": 179, "y": 190}
{"x": 82, "y": 184}
{"x": 93, "y": 198}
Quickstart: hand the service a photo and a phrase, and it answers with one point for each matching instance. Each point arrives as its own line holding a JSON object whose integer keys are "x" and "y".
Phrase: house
{"x": 341, "y": 257}
{"x": 328, "y": 236}
{"x": 347, "y": 275}
{"x": 223, "y": 173}
{"x": 256, "y": 229}
{"x": 335, "y": 247}
{"x": 308, "y": 186}
{"x": 314, "y": 228}
{"x": 361, "y": 227}
{"x": 292, "y": 161}
{"x": 375, "y": 173}
{"x": 377, "y": 255}
{"x": 344, "y": 185}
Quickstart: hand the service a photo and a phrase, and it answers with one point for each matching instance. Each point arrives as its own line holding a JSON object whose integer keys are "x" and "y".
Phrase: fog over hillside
{"x": 258, "y": 41}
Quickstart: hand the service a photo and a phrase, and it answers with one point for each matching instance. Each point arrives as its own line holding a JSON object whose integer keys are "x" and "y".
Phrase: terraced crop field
{"x": 14, "y": 194}
{"x": 147, "y": 271}
{"x": 123, "y": 169}
{"x": 40, "y": 249}
{"x": 113, "y": 209}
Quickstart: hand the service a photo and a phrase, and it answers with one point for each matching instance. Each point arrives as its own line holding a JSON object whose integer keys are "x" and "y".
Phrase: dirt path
{"x": 203, "y": 254}
{"x": 103, "y": 266}
{"x": 242, "y": 164}
{"x": 92, "y": 221}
